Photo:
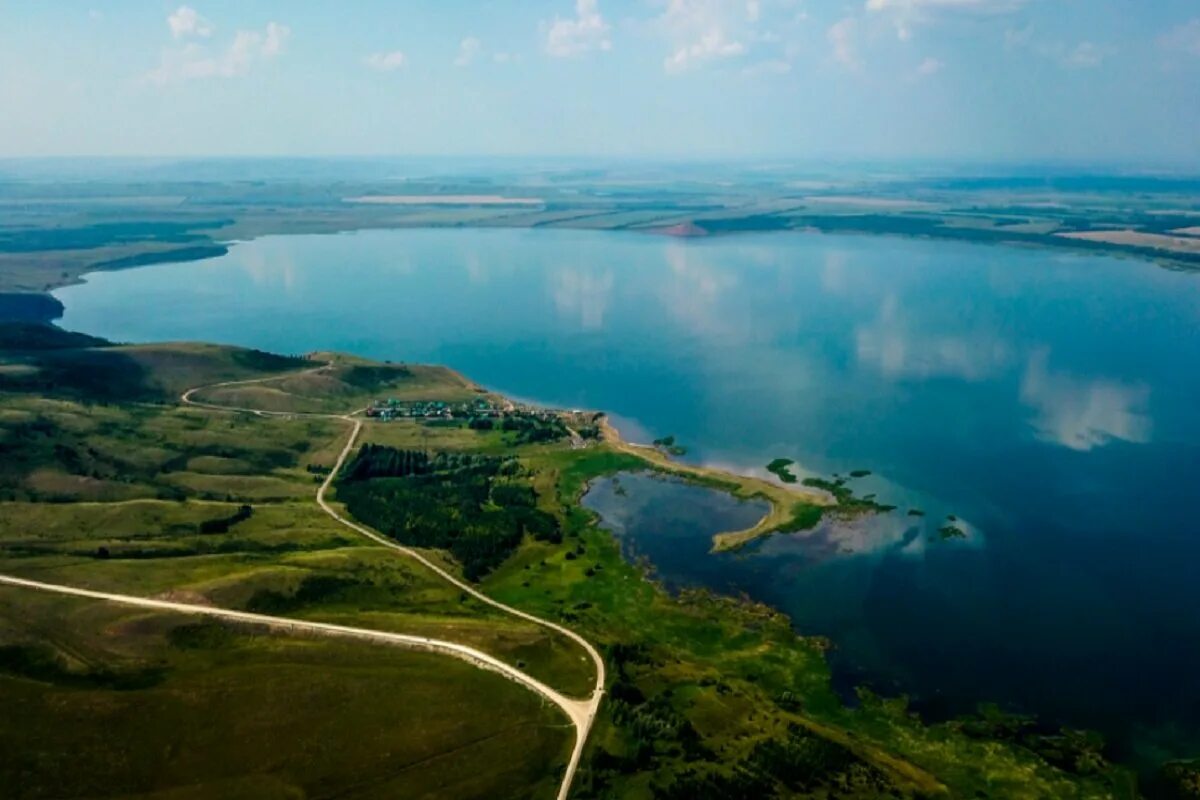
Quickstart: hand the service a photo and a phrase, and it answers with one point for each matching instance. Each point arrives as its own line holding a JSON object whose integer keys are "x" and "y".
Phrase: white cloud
{"x": 699, "y": 31}
{"x": 991, "y": 6}
{"x": 1083, "y": 414}
{"x": 584, "y": 32}
{"x": 1086, "y": 55}
{"x": 710, "y": 46}
{"x": 841, "y": 36}
{"x": 185, "y": 21}
{"x": 276, "y": 38}
{"x": 1184, "y": 38}
{"x": 1017, "y": 38}
{"x": 905, "y": 14}
{"x": 195, "y": 61}
{"x": 710, "y": 31}
{"x": 775, "y": 66}
{"x": 468, "y": 50}
{"x": 930, "y": 66}
{"x": 386, "y": 62}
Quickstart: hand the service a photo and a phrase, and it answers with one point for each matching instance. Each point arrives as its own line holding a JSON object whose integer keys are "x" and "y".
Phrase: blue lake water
{"x": 1048, "y": 400}
{"x": 656, "y": 518}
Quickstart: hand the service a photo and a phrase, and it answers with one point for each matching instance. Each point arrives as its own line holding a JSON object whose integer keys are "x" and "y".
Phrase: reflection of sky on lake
{"x": 867, "y": 536}
{"x": 1046, "y": 399}
{"x": 583, "y": 294}
{"x": 1083, "y": 413}
{"x": 891, "y": 346}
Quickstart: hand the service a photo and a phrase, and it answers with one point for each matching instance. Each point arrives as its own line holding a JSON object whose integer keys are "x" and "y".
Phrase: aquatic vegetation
{"x": 668, "y": 445}
{"x": 803, "y": 517}
{"x": 951, "y": 532}
{"x": 848, "y": 504}
{"x": 779, "y": 467}
{"x": 1178, "y": 780}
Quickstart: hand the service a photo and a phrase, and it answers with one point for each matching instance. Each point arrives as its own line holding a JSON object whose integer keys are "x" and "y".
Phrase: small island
{"x": 847, "y": 503}
{"x": 779, "y": 468}
{"x": 668, "y": 445}
{"x": 947, "y": 532}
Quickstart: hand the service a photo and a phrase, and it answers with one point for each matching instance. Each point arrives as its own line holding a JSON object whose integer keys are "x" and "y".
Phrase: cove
{"x": 1046, "y": 399}
{"x": 668, "y": 523}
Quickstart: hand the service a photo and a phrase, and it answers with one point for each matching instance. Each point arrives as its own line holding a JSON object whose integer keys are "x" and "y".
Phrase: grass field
{"x": 64, "y": 450}
{"x": 348, "y": 384}
{"x": 286, "y": 559}
{"x": 102, "y": 702}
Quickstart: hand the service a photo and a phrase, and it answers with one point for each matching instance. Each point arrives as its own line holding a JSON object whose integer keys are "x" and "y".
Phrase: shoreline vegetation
{"x": 209, "y": 501}
{"x": 779, "y": 468}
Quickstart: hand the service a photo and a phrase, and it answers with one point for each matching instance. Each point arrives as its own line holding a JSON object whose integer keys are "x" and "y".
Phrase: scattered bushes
{"x": 42, "y": 663}
{"x": 223, "y": 524}
{"x": 313, "y": 589}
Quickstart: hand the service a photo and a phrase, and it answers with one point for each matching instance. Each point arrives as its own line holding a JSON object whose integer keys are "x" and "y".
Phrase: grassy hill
{"x": 104, "y": 702}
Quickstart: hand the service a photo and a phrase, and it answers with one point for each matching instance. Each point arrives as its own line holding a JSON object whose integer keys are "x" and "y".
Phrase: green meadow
{"x": 107, "y": 702}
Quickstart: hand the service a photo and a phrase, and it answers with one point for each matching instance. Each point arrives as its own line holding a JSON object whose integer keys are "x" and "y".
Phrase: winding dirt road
{"x": 582, "y": 712}
{"x": 576, "y": 710}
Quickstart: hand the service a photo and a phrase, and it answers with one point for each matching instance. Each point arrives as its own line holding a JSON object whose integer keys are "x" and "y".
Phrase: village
{"x": 530, "y": 424}
{"x": 476, "y": 411}
{"x": 481, "y": 408}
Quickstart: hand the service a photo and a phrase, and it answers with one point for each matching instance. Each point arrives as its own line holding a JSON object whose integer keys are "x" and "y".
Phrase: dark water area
{"x": 1048, "y": 400}
{"x": 26, "y": 307}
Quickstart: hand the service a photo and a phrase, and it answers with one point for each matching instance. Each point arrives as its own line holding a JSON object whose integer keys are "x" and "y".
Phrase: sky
{"x": 1006, "y": 80}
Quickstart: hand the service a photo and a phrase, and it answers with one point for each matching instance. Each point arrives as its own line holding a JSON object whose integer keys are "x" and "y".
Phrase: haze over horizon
{"x": 1008, "y": 80}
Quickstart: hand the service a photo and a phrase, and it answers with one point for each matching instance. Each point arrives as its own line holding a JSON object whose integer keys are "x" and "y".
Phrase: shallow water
{"x": 1046, "y": 399}
{"x": 663, "y": 520}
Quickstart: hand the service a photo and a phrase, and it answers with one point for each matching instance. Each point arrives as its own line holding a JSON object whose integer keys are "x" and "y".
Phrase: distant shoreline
{"x": 51, "y": 258}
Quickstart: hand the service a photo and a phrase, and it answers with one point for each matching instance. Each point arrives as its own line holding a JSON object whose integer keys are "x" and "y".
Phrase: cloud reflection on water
{"x": 583, "y": 294}
{"x": 1083, "y": 414}
{"x": 896, "y": 351}
{"x": 272, "y": 268}
{"x": 873, "y": 536}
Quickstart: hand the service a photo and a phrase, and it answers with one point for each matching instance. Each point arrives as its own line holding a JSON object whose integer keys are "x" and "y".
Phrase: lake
{"x": 1048, "y": 400}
